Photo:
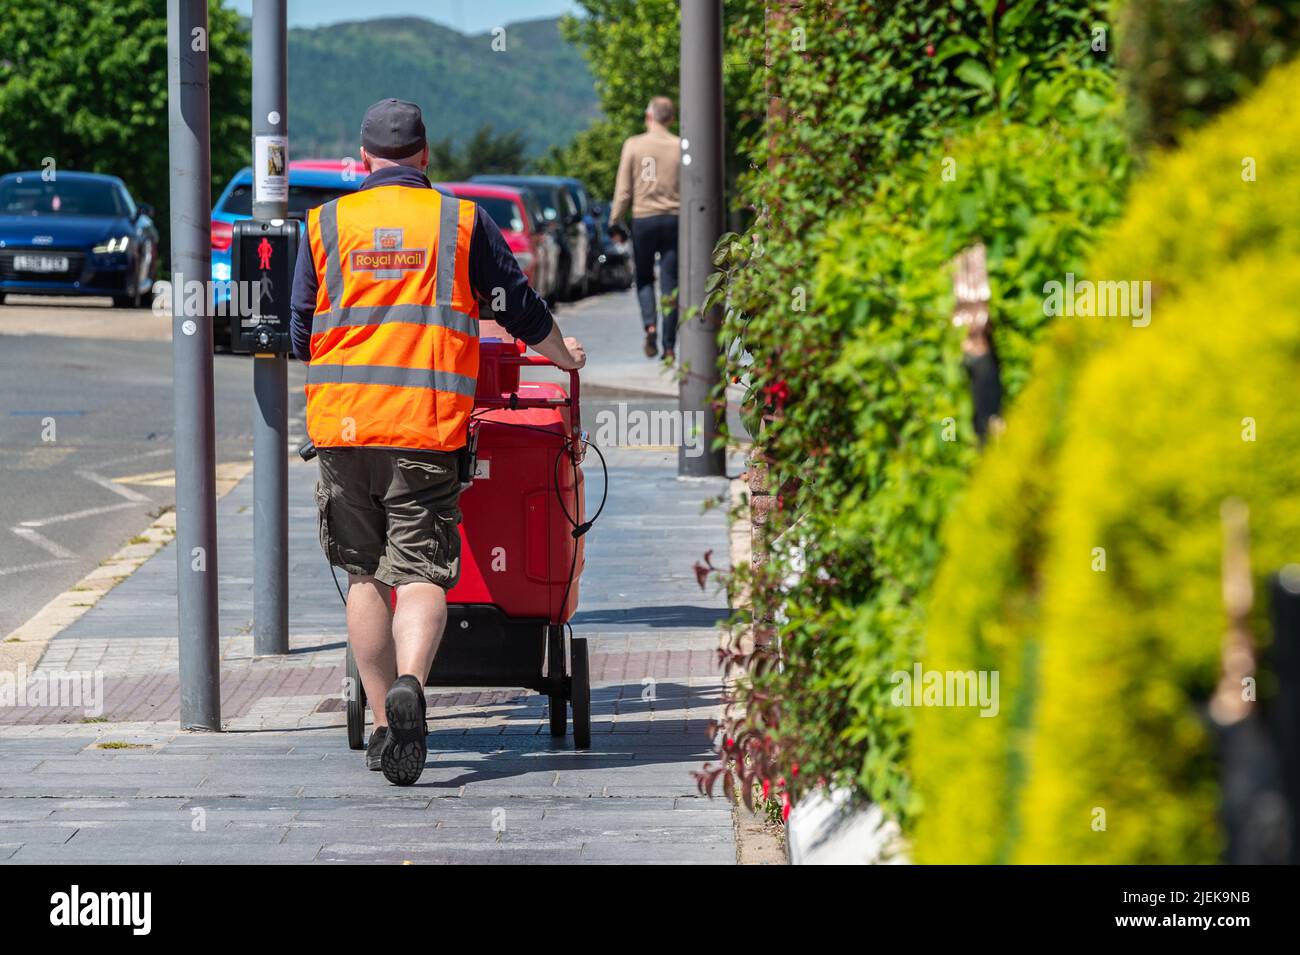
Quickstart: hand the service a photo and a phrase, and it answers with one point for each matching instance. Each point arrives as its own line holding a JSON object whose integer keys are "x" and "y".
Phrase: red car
{"x": 521, "y": 222}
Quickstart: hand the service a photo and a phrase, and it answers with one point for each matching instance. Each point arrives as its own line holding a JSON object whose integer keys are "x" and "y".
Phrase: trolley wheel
{"x": 559, "y": 703}
{"x": 559, "y": 715}
{"x": 580, "y": 694}
{"x": 356, "y": 704}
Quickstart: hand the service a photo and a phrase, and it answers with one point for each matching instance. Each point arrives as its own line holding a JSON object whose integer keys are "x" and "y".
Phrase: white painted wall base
{"x": 825, "y": 828}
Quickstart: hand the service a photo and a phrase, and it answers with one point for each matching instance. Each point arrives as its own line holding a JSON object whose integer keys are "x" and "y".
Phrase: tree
{"x": 86, "y": 85}
{"x": 484, "y": 152}
{"x": 634, "y": 50}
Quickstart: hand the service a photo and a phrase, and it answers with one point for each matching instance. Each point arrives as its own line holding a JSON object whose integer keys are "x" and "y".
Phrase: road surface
{"x": 86, "y": 438}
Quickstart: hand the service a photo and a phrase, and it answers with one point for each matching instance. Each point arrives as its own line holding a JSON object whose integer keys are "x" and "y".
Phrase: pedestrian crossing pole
{"x": 699, "y": 227}
{"x": 189, "y": 156}
{"x": 270, "y": 369}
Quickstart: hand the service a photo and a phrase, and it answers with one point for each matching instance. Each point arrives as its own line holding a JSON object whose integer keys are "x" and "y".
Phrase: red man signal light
{"x": 263, "y": 255}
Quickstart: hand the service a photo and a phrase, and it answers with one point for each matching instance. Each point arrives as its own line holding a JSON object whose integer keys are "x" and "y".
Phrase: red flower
{"x": 767, "y": 787}
{"x": 929, "y": 49}
{"x": 778, "y": 394}
{"x": 785, "y": 807}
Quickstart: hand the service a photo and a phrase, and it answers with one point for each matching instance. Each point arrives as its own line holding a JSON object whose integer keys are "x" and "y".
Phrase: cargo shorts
{"x": 391, "y": 513}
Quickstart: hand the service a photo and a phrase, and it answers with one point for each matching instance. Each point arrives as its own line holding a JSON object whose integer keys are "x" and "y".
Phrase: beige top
{"x": 647, "y": 175}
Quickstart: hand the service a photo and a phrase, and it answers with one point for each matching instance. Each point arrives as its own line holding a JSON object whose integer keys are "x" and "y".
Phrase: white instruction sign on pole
{"x": 271, "y": 169}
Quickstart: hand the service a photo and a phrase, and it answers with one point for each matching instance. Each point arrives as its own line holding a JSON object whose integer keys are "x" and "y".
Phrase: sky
{"x": 467, "y": 16}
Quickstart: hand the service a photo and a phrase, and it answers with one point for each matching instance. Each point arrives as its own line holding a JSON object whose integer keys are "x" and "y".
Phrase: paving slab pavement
{"x": 609, "y": 327}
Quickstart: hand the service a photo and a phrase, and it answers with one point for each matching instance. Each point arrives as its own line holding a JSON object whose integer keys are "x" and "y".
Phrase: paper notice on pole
{"x": 271, "y": 169}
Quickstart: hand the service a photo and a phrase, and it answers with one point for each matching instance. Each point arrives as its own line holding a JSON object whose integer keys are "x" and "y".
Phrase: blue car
{"x": 76, "y": 233}
{"x": 311, "y": 183}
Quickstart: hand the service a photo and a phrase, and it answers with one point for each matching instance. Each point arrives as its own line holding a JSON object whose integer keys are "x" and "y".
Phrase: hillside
{"x": 539, "y": 85}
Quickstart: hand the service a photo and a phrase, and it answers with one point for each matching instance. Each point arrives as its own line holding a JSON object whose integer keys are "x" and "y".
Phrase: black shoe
{"x": 651, "y": 345}
{"x": 402, "y": 760}
{"x": 375, "y": 749}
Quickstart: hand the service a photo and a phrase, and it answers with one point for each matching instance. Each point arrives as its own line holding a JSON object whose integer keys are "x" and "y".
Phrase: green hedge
{"x": 1184, "y": 61}
{"x": 1035, "y": 195}
{"x": 877, "y": 435}
{"x": 1127, "y": 439}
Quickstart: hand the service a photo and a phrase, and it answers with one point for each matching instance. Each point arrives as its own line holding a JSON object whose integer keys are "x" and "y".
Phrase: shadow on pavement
{"x": 634, "y": 741}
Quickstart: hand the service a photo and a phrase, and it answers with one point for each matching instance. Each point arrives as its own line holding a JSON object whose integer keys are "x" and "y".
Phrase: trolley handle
{"x": 541, "y": 361}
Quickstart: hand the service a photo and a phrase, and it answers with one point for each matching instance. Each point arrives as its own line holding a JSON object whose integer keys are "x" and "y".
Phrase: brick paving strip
{"x": 280, "y": 785}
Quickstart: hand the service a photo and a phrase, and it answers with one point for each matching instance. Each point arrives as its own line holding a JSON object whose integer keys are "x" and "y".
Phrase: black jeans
{"x": 650, "y": 235}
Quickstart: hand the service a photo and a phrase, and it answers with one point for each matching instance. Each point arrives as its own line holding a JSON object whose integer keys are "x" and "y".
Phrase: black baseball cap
{"x": 393, "y": 129}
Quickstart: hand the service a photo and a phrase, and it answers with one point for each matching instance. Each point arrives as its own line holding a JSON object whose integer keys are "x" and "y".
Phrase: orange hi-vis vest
{"x": 394, "y": 342}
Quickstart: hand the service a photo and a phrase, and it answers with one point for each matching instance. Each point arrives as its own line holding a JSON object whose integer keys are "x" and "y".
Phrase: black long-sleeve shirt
{"x": 491, "y": 266}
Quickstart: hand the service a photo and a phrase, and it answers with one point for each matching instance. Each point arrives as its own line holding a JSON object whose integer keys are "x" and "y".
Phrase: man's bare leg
{"x": 370, "y": 631}
{"x": 417, "y": 630}
{"x": 418, "y": 624}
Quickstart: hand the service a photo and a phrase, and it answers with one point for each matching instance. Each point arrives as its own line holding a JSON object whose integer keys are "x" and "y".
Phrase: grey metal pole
{"x": 700, "y": 225}
{"x": 191, "y": 251}
{"x": 270, "y": 371}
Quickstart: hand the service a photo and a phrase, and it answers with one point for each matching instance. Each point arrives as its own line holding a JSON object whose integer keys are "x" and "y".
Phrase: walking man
{"x": 385, "y": 309}
{"x": 647, "y": 181}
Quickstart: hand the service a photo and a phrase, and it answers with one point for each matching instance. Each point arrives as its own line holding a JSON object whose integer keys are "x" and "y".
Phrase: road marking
{"x": 168, "y": 478}
{"x": 44, "y": 543}
{"x": 42, "y": 458}
{"x": 134, "y": 457}
{"x": 149, "y": 479}
{"x": 108, "y": 484}
{"x": 22, "y": 568}
{"x": 77, "y": 515}
{"x": 133, "y": 499}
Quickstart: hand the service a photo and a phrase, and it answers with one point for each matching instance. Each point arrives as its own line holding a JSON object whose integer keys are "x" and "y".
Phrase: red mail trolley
{"x": 522, "y": 521}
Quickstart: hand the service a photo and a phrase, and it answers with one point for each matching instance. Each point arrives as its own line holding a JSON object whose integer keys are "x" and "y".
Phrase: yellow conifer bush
{"x": 1126, "y": 438}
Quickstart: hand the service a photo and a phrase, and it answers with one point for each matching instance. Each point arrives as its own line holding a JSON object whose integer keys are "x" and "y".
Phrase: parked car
{"x": 586, "y": 206}
{"x": 78, "y": 233}
{"x": 548, "y": 244}
{"x": 524, "y": 226}
{"x": 311, "y": 183}
{"x": 566, "y": 220}
{"x": 615, "y": 268}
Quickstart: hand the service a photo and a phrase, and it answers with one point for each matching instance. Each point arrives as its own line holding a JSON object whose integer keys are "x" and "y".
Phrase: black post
{"x": 1285, "y": 610}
